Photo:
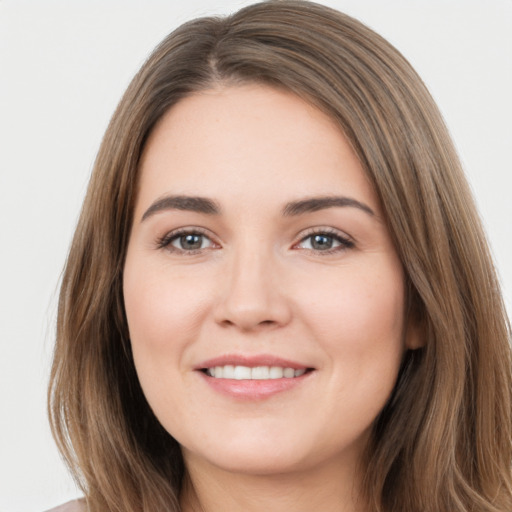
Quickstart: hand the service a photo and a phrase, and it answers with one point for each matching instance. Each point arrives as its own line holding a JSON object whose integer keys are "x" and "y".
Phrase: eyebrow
{"x": 210, "y": 207}
{"x": 188, "y": 203}
{"x": 315, "y": 204}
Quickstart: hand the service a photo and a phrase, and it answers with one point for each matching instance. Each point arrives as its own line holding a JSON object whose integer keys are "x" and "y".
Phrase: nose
{"x": 250, "y": 296}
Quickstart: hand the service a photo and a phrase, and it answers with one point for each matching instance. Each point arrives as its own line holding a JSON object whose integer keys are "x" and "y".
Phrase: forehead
{"x": 249, "y": 142}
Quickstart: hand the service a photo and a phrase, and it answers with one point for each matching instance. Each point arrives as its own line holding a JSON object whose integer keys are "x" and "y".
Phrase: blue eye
{"x": 321, "y": 242}
{"x": 185, "y": 241}
{"x": 190, "y": 242}
{"x": 325, "y": 242}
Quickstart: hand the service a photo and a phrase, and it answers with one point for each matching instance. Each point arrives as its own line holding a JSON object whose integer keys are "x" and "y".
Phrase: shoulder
{"x": 70, "y": 506}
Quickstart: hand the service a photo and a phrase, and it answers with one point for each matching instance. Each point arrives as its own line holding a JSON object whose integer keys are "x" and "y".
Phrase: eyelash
{"x": 165, "y": 241}
{"x": 344, "y": 241}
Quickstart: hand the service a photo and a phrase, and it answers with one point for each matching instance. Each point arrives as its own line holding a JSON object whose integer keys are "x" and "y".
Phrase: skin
{"x": 258, "y": 285}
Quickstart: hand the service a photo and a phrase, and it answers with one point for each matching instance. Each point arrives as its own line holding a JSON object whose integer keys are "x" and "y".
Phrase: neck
{"x": 330, "y": 488}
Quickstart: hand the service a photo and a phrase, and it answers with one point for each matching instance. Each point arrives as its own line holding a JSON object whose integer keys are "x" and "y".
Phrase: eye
{"x": 191, "y": 242}
{"x": 325, "y": 241}
{"x": 185, "y": 241}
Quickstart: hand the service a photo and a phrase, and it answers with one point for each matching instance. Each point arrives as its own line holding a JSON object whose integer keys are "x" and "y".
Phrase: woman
{"x": 279, "y": 293}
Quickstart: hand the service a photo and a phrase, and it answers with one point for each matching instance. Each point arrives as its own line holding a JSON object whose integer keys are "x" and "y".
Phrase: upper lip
{"x": 251, "y": 361}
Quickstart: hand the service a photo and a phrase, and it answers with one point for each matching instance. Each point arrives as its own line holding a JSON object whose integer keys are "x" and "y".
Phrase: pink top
{"x": 70, "y": 506}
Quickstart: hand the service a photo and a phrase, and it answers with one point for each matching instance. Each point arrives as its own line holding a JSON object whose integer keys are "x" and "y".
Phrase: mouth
{"x": 253, "y": 377}
{"x": 240, "y": 372}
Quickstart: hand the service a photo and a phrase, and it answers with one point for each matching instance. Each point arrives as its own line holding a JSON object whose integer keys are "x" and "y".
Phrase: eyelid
{"x": 164, "y": 242}
{"x": 346, "y": 241}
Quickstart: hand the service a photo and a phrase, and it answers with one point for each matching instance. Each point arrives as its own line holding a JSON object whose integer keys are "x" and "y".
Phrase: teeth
{"x": 289, "y": 373}
{"x": 260, "y": 373}
{"x": 255, "y": 373}
{"x": 242, "y": 373}
{"x": 276, "y": 372}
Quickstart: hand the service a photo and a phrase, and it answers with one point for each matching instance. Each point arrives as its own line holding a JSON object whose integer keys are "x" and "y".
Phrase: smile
{"x": 254, "y": 373}
{"x": 253, "y": 377}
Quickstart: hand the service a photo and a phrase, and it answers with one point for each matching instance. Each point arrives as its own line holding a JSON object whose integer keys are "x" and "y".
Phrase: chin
{"x": 262, "y": 455}
{"x": 259, "y": 461}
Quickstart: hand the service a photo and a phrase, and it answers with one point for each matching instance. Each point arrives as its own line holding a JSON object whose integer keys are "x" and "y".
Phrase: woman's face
{"x": 264, "y": 297}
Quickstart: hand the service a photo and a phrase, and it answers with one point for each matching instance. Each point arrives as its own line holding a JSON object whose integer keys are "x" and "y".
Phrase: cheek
{"x": 361, "y": 329}
{"x": 359, "y": 318}
{"x": 164, "y": 312}
{"x": 358, "y": 301}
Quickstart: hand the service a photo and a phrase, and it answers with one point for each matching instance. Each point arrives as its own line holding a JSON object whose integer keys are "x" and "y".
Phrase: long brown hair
{"x": 443, "y": 441}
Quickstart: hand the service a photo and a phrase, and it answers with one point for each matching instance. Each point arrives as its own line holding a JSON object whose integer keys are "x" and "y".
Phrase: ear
{"x": 414, "y": 333}
{"x": 415, "y": 326}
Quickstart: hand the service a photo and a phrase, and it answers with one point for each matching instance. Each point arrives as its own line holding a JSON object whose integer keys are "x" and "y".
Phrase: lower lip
{"x": 254, "y": 389}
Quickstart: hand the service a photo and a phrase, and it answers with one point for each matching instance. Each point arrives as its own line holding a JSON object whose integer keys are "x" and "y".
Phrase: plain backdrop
{"x": 64, "y": 66}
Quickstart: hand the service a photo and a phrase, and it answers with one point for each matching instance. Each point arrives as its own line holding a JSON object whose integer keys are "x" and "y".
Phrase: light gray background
{"x": 64, "y": 66}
